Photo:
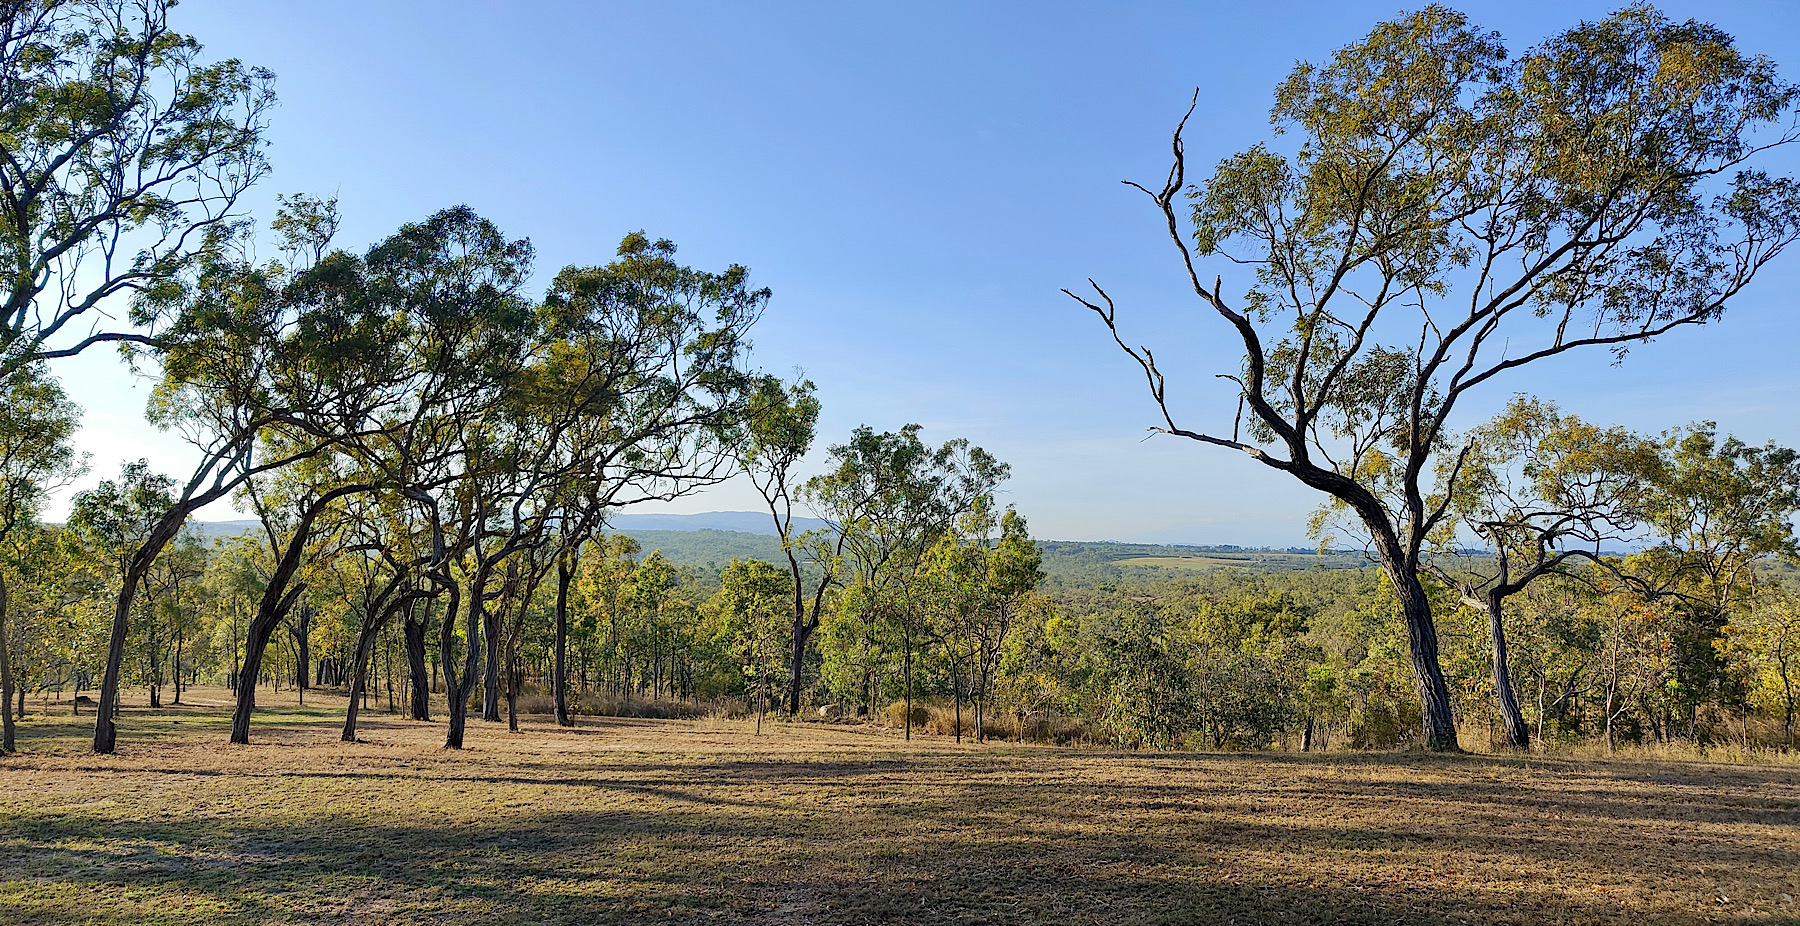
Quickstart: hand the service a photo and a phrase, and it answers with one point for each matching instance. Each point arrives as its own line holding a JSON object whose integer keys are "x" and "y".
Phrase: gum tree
{"x": 121, "y": 151}
{"x": 1447, "y": 215}
{"x": 37, "y": 422}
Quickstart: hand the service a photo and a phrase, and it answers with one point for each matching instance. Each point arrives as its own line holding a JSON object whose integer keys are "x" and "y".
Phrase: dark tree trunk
{"x": 1518, "y": 735}
{"x": 105, "y": 729}
{"x": 277, "y": 600}
{"x": 459, "y": 689}
{"x": 956, "y": 694}
{"x": 1434, "y": 695}
{"x": 7, "y": 746}
{"x": 1306, "y": 737}
{"x": 490, "y": 683}
{"x": 256, "y": 643}
{"x": 378, "y": 614}
{"x": 560, "y": 672}
{"x": 415, "y": 628}
{"x": 302, "y": 650}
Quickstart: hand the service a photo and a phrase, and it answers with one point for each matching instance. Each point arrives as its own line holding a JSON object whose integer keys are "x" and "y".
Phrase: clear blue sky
{"x": 916, "y": 182}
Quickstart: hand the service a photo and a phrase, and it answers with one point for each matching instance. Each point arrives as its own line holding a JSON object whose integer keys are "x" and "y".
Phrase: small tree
{"x": 1543, "y": 491}
{"x": 1450, "y": 216}
{"x": 1763, "y": 643}
{"x": 36, "y": 424}
{"x": 752, "y": 601}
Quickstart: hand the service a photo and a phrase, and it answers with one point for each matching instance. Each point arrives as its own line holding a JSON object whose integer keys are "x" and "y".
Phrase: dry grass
{"x": 646, "y": 821}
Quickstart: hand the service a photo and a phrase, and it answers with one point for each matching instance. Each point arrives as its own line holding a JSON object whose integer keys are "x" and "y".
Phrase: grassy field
{"x": 633, "y": 821}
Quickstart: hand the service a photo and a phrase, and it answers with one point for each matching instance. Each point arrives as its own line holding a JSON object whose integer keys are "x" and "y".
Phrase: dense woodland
{"x": 432, "y": 448}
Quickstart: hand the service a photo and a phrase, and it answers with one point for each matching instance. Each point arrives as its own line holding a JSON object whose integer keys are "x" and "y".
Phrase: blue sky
{"x": 916, "y": 182}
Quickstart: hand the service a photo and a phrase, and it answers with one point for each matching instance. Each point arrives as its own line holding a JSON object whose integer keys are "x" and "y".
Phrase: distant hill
{"x": 713, "y": 539}
{"x": 221, "y": 530}
{"x": 747, "y": 522}
{"x": 710, "y": 548}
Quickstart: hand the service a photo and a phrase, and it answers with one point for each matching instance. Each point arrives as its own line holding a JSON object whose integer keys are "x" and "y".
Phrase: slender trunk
{"x": 178, "y": 667}
{"x": 956, "y": 696}
{"x": 7, "y": 746}
{"x": 459, "y": 689}
{"x": 490, "y": 683}
{"x": 565, "y": 574}
{"x": 512, "y": 676}
{"x": 365, "y": 648}
{"x": 387, "y": 671}
{"x": 420, "y": 685}
{"x": 907, "y": 659}
{"x": 303, "y": 651}
{"x": 1518, "y": 735}
{"x": 105, "y": 729}
{"x": 1306, "y": 737}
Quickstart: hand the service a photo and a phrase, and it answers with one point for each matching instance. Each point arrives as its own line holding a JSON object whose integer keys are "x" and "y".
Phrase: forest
{"x": 430, "y": 450}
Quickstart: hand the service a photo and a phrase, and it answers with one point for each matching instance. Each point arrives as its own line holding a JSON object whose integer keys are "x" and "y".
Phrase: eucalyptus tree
{"x": 639, "y": 380}
{"x": 750, "y": 601}
{"x": 1450, "y": 215}
{"x": 452, "y": 286}
{"x": 775, "y": 434}
{"x": 121, "y": 151}
{"x": 1543, "y": 491}
{"x": 258, "y": 373}
{"x": 1716, "y": 507}
{"x": 975, "y": 585}
{"x": 37, "y": 423}
{"x": 889, "y": 497}
{"x": 375, "y": 574}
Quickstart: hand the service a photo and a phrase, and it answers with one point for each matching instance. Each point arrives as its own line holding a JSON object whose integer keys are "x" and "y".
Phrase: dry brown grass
{"x": 627, "y": 820}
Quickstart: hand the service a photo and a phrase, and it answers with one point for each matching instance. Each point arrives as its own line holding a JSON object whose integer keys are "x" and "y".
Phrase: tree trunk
{"x": 490, "y": 683}
{"x": 365, "y": 648}
{"x": 459, "y": 689}
{"x": 106, "y": 709}
{"x": 560, "y": 673}
{"x": 302, "y": 651}
{"x": 907, "y": 659}
{"x": 178, "y": 667}
{"x": 1438, "y": 721}
{"x": 956, "y": 696}
{"x": 7, "y": 746}
{"x": 1518, "y": 735}
{"x": 1306, "y": 737}
{"x": 256, "y": 643}
{"x": 419, "y": 686}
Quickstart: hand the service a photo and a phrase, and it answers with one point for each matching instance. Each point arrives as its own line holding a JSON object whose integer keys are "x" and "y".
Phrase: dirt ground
{"x": 648, "y": 821}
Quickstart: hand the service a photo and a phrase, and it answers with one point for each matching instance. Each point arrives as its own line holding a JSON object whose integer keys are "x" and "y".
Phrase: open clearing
{"x": 635, "y": 821}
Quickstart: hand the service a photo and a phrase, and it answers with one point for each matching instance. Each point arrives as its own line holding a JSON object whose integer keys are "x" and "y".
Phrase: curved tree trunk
{"x": 7, "y": 746}
{"x": 277, "y": 600}
{"x": 414, "y": 628}
{"x": 365, "y": 648}
{"x": 560, "y": 671}
{"x": 105, "y": 729}
{"x": 456, "y": 689}
{"x": 1437, "y": 719}
{"x": 1518, "y": 735}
